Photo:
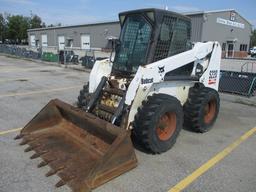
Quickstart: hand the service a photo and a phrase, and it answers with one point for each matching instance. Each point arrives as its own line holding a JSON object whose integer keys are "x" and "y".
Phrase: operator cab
{"x": 149, "y": 35}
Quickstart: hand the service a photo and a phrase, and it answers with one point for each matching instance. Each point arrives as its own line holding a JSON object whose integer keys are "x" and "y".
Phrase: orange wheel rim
{"x": 166, "y": 126}
{"x": 209, "y": 111}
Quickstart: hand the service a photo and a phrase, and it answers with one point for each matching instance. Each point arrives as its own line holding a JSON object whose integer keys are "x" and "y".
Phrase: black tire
{"x": 147, "y": 128}
{"x": 201, "y": 109}
{"x": 84, "y": 96}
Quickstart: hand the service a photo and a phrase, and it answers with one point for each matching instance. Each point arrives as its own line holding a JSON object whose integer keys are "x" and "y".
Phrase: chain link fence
{"x": 67, "y": 56}
{"x": 249, "y": 66}
{"x": 241, "y": 82}
{"x": 20, "y": 51}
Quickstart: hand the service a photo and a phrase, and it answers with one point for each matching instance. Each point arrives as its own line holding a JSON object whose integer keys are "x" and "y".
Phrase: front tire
{"x": 84, "y": 97}
{"x": 158, "y": 123}
{"x": 201, "y": 109}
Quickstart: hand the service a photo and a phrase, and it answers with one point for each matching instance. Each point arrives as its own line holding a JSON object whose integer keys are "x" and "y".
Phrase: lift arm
{"x": 206, "y": 54}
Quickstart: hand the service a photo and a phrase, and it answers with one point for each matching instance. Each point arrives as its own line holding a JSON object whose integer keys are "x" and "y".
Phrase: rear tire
{"x": 201, "y": 109}
{"x": 84, "y": 96}
{"x": 158, "y": 123}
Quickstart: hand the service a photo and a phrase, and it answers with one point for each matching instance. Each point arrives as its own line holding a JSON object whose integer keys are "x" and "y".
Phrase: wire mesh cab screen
{"x": 173, "y": 38}
{"x": 134, "y": 43}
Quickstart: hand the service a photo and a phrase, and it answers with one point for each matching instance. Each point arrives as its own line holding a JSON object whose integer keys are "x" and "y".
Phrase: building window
{"x": 37, "y": 43}
{"x": 243, "y": 47}
{"x": 33, "y": 40}
{"x": 44, "y": 41}
{"x": 70, "y": 43}
{"x": 85, "y": 41}
{"x": 223, "y": 46}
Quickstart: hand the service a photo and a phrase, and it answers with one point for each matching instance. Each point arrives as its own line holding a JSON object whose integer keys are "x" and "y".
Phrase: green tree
{"x": 253, "y": 38}
{"x": 55, "y": 25}
{"x": 36, "y": 22}
{"x": 14, "y": 27}
{"x": 2, "y": 28}
{"x": 17, "y": 28}
{"x": 43, "y": 24}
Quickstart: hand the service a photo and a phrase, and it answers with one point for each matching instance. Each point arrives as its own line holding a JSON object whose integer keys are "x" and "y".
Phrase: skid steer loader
{"x": 157, "y": 82}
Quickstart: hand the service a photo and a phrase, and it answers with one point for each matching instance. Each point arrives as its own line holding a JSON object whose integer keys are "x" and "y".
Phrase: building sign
{"x": 230, "y": 23}
{"x": 232, "y": 16}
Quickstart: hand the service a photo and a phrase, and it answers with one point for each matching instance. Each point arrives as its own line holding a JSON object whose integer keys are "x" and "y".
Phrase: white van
{"x": 253, "y": 52}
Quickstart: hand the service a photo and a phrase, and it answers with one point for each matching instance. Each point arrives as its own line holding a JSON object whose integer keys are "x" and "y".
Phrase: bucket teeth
{"x": 35, "y": 155}
{"x": 50, "y": 173}
{"x": 24, "y": 142}
{"x": 46, "y": 162}
{"x": 65, "y": 179}
{"x": 42, "y": 164}
{"x": 60, "y": 183}
{"x": 18, "y": 137}
{"x": 27, "y": 140}
{"x": 29, "y": 148}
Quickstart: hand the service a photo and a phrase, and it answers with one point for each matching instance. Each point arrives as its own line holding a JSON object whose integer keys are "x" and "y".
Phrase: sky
{"x": 68, "y": 12}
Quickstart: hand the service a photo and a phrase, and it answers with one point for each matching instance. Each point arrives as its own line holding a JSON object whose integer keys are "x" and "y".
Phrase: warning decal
{"x": 213, "y": 77}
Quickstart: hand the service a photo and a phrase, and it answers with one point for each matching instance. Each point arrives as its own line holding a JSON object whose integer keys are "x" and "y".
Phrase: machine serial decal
{"x": 213, "y": 77}
{"x": 146, "y": 81}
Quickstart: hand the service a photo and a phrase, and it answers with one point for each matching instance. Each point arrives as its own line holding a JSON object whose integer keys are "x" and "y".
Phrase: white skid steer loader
{"x": 156, "y": 83}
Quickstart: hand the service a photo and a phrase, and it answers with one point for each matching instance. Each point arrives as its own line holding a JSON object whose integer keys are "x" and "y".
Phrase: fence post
{"x": 252, "y": 86}
{"x": 65, "y": 62}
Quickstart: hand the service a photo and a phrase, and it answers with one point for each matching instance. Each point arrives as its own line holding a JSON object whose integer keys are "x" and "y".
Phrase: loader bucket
{"x": 83, "y": 150}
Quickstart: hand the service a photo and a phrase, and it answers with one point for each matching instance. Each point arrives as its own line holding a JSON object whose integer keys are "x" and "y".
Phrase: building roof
{"x": 202, "y": 12}
{"x": 116, "y": 22}
{"x": 68, "y": 26}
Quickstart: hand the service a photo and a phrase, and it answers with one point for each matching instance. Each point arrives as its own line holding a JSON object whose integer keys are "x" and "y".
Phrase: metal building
{"x": 88, "y": 36}
{"x": 226, "y": 26}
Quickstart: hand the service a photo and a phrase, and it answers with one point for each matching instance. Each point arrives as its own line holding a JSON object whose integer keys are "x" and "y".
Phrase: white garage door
{"x": 61, "y": 41}
{"x": 44, "y": 41}
{"x": 33, "y": 40}
{"x": 85, "y": 42}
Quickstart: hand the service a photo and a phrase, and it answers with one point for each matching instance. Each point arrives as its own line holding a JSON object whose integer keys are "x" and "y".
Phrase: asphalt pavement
{"x": 25, "y": 87}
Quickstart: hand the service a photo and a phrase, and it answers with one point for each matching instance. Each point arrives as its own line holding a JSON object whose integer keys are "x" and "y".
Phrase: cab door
{"x": 61, "y": 42}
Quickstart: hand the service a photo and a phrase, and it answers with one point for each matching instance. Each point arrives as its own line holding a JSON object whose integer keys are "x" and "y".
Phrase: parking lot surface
{"x": 25, "y": 87}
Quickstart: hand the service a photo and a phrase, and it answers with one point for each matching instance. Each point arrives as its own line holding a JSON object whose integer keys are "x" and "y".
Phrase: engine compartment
{"x": 110, "y": 99}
